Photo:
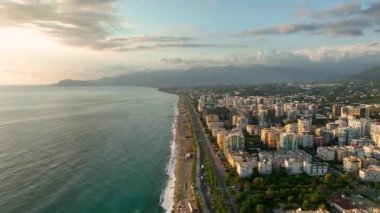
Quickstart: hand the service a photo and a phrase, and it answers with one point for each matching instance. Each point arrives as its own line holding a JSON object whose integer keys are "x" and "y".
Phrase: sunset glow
{"x": 45, "y": 41}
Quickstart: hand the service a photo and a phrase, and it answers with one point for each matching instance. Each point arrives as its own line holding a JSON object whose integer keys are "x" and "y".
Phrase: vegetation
{"x": 190, "y": 129}
{"x": 260, "y": 193}
{"x": 372, "y": 74}
{"x": 217, "y": 196}
{"x": 321, "y": 93}
{"x": 199, "y": 201}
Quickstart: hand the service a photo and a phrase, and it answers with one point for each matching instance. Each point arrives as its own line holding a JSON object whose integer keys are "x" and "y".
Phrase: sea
{"x": 86, "y": 149}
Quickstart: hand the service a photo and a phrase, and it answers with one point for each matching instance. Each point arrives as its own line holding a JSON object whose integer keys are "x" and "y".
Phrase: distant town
{"x": 300, "y": 147}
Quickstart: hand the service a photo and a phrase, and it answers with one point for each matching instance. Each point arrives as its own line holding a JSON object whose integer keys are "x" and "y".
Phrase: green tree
{"x": 327, "y": 178}
{"x": 240, "y": 197}
{"x": 300, "y": 199}
{"x": 246, "y": 185}
{"x": 290, "y": 199}
{"x": 258, "y": 198}
{"x": 258, "y": 181}
{"x": 305, "y": 205}
{"x": 315, "y": 182}
{"x": 269, "y": 192}
{"x": 344, "y": 178}
{"x": 260, "y": 208}
{"x": 316, "y": 198}
{"x": 244, "y": 209}
{"x": 322, "y": 206}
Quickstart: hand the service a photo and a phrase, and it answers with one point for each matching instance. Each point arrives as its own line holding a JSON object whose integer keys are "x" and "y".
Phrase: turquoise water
{"x": 84, "y": 149}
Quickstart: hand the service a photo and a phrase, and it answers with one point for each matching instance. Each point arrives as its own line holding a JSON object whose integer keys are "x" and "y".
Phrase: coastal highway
{"x": 201, "y": 187}
{"x": 217, "y": 167}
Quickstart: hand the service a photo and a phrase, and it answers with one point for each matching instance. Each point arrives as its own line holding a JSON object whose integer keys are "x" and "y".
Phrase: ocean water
{"x": 86, "y": 149}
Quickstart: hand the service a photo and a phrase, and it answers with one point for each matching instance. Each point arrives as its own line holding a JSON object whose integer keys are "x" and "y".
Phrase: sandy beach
{"x": 183, "y": 192}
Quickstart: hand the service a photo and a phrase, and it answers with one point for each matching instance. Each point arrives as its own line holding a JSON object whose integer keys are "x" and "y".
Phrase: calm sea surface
{"x": 84, "y": 149}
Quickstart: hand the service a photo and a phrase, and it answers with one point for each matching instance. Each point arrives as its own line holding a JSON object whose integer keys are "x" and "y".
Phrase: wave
{"x": 167, "y": 196}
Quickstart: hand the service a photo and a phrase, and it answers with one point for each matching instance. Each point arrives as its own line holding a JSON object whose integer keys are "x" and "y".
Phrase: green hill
{"x": 372, "y": 74}
{"x": 227, "y": 75}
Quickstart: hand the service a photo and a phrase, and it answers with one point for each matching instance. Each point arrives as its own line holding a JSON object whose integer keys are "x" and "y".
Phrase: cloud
{"x": 135, "y": 48}
{"x": 349, "y": 19}
{"x": 352, "y": 27}
{"x": 203, "y": 45}
{"x": 16, "y": 72}
{"x": 177, "y": 45}
{"x": 370, "y": 10}
{"x": 340, "y": 10}
{"x": 189, "y": 62}
{"x": 88, "y": 23}
{"x": 281, "y": 29}
{"x": 74, "y": 22}
{"x": 164, "y": 39}
{"x": 356, "y": 56}
{"x": 114, "y": 70}
{"x": 342, "y": 53}
{"x": 270, "y": 58}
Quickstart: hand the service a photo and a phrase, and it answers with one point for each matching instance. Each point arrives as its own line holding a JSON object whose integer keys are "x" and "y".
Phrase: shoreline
{"x": 167, "y": 199}
{"x": 184, "y": 164}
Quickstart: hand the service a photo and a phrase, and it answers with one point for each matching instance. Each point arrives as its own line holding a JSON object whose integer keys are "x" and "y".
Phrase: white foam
{"x": 167, "y": 196}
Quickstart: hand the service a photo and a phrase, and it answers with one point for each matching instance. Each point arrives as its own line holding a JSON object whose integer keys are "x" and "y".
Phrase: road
{"x": 200, "y": 185}
{"x": 217, "y": 167}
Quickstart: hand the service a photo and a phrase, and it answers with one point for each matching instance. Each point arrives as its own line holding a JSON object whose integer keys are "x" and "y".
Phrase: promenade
{"x": 185, "y": 159}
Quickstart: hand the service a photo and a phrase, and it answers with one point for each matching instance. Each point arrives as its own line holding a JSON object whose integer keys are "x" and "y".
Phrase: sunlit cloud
{"x": 348, "y": 19}
{"x": 44, "y": 41}
{"x": 296, "y": 58}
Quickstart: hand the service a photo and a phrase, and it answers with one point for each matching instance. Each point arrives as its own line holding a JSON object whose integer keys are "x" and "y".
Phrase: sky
{"x": 44, "y": 41}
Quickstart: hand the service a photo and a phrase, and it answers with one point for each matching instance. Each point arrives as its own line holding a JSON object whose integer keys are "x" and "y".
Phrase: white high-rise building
{"x": 265, "y": 167}
{"x": 361, "y": 124}
{"x": 235, "y": 141}
{"x": 288, "y": 142}
{"x": 345, "y": 135}
{"x": 291, "y": 128}
{"x": 375, "y": 133}
{"x": 292, "y": 114}
{"x": 306, "y": 140}
{"x": 351, "y": 164}
{"x": 346, "y": 111}
{"x": 371, "y": 174}
{"x": 253, "y": 130}
{"x": 326, "y": 153}
{"x": 242, "y": 122}
{"x": 262, "y": 117}
{"x": 244, "y": 168}
{"x": 304, "y": 125}
{"x": 314, "y": 169}
{"x": 293, "y": 166}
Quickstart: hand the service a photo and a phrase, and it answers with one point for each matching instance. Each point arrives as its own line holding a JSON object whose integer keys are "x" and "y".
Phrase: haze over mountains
{"x": 227, "y": 75}
{"x": 372, "y": 74}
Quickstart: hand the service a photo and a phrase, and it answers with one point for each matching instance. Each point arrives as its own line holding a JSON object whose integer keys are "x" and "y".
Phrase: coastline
{"x": 178, "y": 194}
{"x": 167, "y": 199}
{"x": 183, "y": 170}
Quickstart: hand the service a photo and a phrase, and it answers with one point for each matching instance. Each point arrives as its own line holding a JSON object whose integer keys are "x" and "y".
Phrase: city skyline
{"x": 46, "y": 41}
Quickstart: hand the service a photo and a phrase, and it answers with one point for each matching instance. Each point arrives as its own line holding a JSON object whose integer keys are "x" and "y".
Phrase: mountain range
{"x": 228, "y": 75}
{"x": 372, "y": 74}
